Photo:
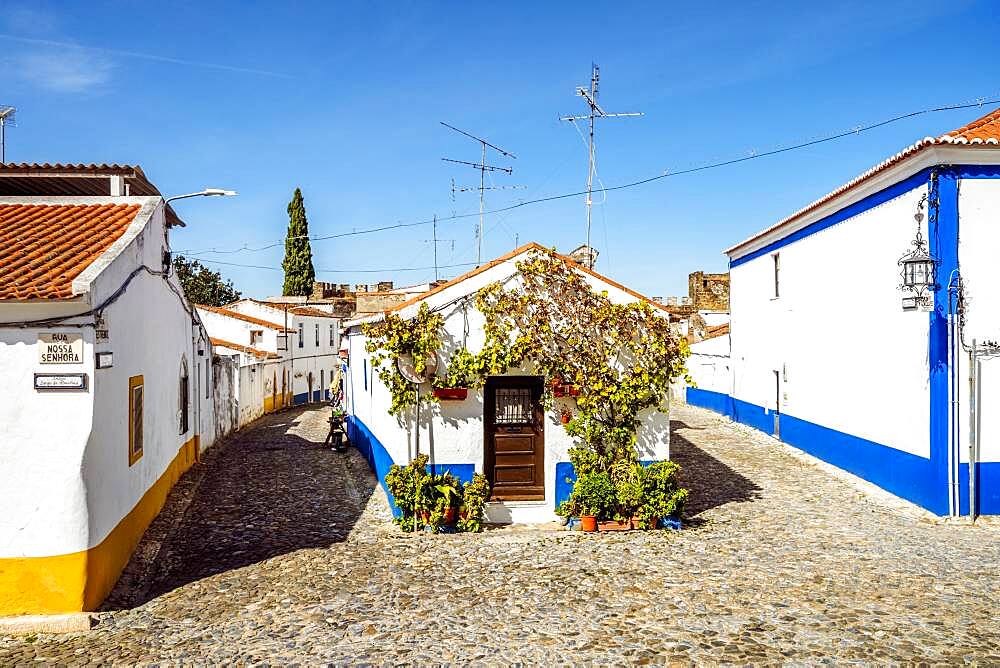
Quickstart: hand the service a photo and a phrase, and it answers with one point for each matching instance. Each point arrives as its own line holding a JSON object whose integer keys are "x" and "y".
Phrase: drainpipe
{"x": 973, "y": 424}
{"x": 953, "y": 492}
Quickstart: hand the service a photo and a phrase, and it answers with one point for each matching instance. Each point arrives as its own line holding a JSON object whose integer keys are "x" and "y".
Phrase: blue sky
{"x": 344, "y": 100}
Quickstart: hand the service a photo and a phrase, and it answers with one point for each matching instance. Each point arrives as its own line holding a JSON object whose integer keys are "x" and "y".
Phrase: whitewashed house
{"x": 311, "y": 350}
{"x": 259, "y": 340}
{"x": 461, "y": 436}
{"x": 107, "y": 385}
{"x": 253, "y": 384}
{"x": 830, "y": 354}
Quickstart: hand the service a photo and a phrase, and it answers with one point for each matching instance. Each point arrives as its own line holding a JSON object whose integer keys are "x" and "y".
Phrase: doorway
{"x": 514, "y": 434}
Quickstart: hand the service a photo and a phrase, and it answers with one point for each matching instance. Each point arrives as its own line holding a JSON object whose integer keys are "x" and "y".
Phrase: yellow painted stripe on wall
{"x": 82, "y": 580}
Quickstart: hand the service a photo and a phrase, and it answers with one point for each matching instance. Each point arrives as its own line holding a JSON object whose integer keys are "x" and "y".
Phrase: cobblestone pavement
{"x": 284, "y": 554}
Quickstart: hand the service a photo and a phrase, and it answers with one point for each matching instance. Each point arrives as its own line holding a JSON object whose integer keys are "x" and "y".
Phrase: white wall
{"x": 979, "y": 239}
{"x": 456, "y": 431}
{"x": 710, "y": 366}
{"x": 850, "y": 359}
{"x": 66, "y": 480}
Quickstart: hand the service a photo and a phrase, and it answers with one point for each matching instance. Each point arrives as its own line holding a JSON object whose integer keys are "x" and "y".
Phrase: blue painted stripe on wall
{"x": 753, "y": 415}
{"x": 715, "y": 401}
{"x": 987, "y": 488}
{"x": 300, "y": 398}
{"x": 870, "y": 202}
{"x": 978, "y": 171}
{"x": 379, "y": 459}
{"x": 942, "y": 233}
{"x": 908, "y": 476}
{"x": 905, "y": 475}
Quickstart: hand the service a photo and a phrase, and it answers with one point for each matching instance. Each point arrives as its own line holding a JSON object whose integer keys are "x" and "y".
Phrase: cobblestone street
{"x": 276, "y": 550}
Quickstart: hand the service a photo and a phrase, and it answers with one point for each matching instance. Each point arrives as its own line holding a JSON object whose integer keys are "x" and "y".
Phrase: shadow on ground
{"x": 712, "y": 483}
{"x": 262, "y": 493}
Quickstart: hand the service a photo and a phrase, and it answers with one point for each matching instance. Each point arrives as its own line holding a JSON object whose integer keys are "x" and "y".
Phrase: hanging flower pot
{"x": 451, "y": 393}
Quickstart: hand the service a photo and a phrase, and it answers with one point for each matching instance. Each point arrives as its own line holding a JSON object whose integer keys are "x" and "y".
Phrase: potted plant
{"x": 409, "y": 488}
{"x": 629, "y": 479}
{"x": 595, "y": 496}
{"x": 473, "y": 510}
{"x": 663, "y": 498}
{"x": 462, "y": 374}
{"x": 449, "y": 490}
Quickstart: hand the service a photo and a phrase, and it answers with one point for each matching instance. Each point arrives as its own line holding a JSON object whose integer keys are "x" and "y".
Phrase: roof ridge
{"x": 242, "y": 316}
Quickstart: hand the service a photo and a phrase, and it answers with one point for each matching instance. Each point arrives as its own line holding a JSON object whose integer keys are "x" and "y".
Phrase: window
{"x": 256, "y": 336}
{"x": 366, "y": 374}
{"x": 135, "y": 390}
{"x": 208, "y": 378}
{"x": 182, "y": 398}
{"x": 777, "y": 268}
{"x": 317, "y": 335}
{"x": 513, "y": 405}
{"x": 302, "y": 335}
{"x": 322, "y": 382}
{"x": 331, "y": 336}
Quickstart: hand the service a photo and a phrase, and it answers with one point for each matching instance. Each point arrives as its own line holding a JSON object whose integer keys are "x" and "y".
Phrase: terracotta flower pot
{"x": 614, "y": 525}
{"x": 565, "y": 419}
{"x": 451, "y": 393}
{"x": 424, "y": 516}
{"x": 450, "y": 515}
{"x": 588, "y": 522}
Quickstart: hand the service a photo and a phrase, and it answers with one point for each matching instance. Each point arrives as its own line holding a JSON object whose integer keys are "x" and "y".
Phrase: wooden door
{"x": 514, "y": 448}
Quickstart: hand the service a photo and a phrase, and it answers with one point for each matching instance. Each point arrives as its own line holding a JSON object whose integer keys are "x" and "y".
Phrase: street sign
{"x": 60, "y": 348}
{"x": 60, "y": 381}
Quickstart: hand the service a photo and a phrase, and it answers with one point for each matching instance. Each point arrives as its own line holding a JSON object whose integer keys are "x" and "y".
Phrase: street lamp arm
{"x": 207, "y": 192}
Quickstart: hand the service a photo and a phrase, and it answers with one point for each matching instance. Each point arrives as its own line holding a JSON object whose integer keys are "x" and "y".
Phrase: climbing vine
{"x": 621, "y": 358}
{"x": 388, "y": 340}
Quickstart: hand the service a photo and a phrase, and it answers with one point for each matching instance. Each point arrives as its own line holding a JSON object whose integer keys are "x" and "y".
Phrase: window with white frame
{"x": 777, "y": 269}
{"x": 331, "y": 336}
{"x": 317, "y": 335}
{"x": 302, "y": 335}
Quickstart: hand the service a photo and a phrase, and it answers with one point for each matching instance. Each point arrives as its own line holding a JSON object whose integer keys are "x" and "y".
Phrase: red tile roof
{"x": 245, "y": 318}
{"x": 43, "y": 247}
{"x": 309, "y": 311}
{"x": 983, "y": 132}
{"x": 244, "y": 349}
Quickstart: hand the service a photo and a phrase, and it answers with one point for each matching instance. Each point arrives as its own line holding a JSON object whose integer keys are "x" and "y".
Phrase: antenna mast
{"x": 6, "y": 117}
{"x": 590, "y": 96}
{"x": 483, "y": 167}
{"x": 436, "y": 241}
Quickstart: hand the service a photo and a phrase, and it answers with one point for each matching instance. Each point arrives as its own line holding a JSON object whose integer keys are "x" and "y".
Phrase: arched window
{"x": 183, "y": 393}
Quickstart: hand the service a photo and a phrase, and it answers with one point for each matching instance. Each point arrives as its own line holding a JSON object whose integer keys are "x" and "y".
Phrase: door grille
{"x": 513, "y": 406}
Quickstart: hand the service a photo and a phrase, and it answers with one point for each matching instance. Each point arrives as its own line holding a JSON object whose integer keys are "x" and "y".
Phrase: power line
{"x": 343, "y": 271}
{"x": 632, "y": 184}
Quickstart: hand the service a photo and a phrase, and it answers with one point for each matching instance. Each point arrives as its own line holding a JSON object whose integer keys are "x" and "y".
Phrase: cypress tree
{"x": 298, "y": 266}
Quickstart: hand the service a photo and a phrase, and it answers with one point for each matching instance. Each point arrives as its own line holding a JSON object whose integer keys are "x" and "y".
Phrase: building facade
{"x": 823, "y": 354}
{"x": 455, "y": 433}
{"x": 107, "y": 396}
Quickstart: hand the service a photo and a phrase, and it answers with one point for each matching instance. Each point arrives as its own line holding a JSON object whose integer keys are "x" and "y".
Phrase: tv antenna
{"x": 7, "y": 117}
{"x": 590, "y": 97}
{"x": 483, "y": 167}
{"x": 437, "y": 241}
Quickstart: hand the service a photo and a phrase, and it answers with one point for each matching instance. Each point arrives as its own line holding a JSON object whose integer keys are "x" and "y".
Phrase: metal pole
{"x": 416, "y": 453}
{"x": 482, "y": 192}
{"x": 973, "y": 426}
{"x": 590, "y": 166}
{"x": 435, "y": 248}
{"x": 3, "y": 143}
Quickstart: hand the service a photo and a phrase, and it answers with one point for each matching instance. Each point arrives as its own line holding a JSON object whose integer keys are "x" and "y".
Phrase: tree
{"x": 298, "y": 266}
{"x": 202, "y": 285}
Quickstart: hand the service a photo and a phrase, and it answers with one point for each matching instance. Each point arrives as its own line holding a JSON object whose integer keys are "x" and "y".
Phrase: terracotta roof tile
{"x": 244, "y": 349}
{"x": 43, "y": 247}
{"x": 309, "y": 311}
{"x": 983, "y": 132}
{"x": 245, "y": 318}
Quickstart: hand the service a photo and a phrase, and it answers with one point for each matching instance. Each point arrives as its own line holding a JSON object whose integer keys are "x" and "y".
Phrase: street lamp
{"x": 207, "y": 192}
{"x": 918, "y": 266}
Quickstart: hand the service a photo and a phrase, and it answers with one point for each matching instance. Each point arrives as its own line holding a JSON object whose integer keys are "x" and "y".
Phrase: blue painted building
{"x": 825, "y": 354}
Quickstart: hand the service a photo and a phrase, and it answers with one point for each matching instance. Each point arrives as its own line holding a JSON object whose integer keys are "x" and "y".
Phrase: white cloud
{"x": 66, "y": 70}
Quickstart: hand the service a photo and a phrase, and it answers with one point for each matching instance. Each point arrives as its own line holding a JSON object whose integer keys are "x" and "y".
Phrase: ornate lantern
{"x": 918, "y": 266}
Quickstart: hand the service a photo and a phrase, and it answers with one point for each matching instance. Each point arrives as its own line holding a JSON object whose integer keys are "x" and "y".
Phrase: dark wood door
{"x": 514, "y": 451}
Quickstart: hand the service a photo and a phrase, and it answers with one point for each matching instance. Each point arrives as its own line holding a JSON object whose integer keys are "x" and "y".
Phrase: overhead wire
{"x": 631, "y": 184}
